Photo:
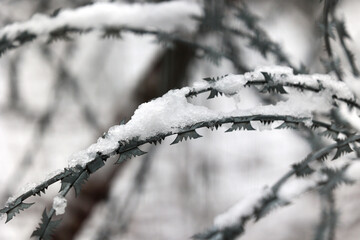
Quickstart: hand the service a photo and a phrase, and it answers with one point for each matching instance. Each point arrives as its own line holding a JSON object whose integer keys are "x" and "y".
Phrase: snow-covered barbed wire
{"x": 112, "y": 20}
{"x": 64, "y": 79}
{"x": 231, "y": 224}
{"x": 277, "y": 80}
{"x": 173, "y": 114}
{"x": 107, "y": 18}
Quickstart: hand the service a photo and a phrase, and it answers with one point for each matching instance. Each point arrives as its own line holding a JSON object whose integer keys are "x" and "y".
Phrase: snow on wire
{"x": 304, "y": 98}
{"x": 107, "y": 18}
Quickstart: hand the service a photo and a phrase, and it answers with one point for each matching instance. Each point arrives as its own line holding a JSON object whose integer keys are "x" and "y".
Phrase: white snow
{"x": 164, "y": 16}
{"x": 287, "y": 192}
{"x": 80, "y": 158}
{"x": 296, "y": 104}
{"x": 59, "y": 205}
{"x": 230, "y": 84}
{"x": 27, "y": 187}
{"x": 31, "y": 186}
{"x": 296, "y": 186}
{"x": 161, "y": 115}
{"x": 349, "y": 116}
{"x": 277, "y": 72}
{"x": 290, "y": 190}
{"x": 285, "y": 74}
{"x": 244, "y": 207}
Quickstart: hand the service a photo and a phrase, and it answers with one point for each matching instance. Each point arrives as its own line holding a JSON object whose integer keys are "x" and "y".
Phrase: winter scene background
{"x": 184, "y": 119}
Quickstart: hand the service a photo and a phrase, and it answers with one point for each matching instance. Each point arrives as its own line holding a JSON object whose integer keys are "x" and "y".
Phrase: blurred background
{"x": 56, "y": 99}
